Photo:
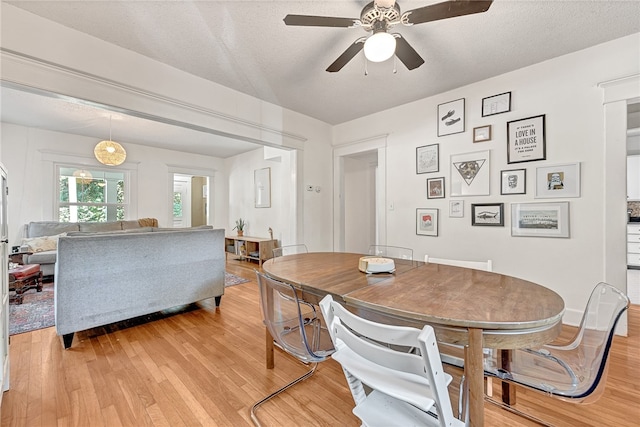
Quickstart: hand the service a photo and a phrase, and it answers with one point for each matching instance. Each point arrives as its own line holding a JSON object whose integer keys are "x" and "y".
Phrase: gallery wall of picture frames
{"x": 470, "y": 174}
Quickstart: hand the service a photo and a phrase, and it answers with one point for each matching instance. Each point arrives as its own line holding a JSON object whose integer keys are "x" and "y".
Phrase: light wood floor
{"x": 206, "y": 367}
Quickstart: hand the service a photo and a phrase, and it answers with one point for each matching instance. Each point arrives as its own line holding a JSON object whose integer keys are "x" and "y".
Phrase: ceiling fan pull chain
{"x": 395, "y": 63}
{"x": 366, "y": 72}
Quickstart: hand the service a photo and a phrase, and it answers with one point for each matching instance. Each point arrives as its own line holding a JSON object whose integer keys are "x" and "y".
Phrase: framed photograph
{"x": 491, "y": 214}
{"x": 451, "y": 117}
{"x": 525, "y": 140}
{"x": 513, "y": 181}
{"x": 262, "y": 187}
{"x": 427, "y": 222}
{"x": 428, "y": 158}
{"x": 558, "y": 181}
{"x": 540, "y": 219}
{"x": 456, "y": 209}
{"x": 435, "y": 188}
{"x": 482, "y": 133}
{"x": 496, "y": 104}
{"x": 470, "y": 174}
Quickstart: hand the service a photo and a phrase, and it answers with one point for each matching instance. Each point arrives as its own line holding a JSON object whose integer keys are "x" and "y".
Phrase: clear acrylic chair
{"x": 397, "y": 252}
{"x": 390, "y": 387}
{"x": 290, "y": 250}
{"x": 574, "y": 370}
{"x": 295, "y": 326}
{"x": 476, "y": 265}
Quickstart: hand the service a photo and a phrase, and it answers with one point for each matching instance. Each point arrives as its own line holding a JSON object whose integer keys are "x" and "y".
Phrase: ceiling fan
{"x": 380, "y": 16}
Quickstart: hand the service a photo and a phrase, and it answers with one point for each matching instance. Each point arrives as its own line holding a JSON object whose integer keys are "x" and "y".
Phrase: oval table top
{"x": 426, "y": 292}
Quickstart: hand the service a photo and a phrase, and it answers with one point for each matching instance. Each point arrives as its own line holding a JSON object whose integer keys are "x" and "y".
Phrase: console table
{"x": 251, "y": 248}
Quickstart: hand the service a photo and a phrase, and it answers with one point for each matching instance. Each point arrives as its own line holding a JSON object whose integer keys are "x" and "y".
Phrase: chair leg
{"x": 301, "y": 378}
{"x": 513, "y": 410}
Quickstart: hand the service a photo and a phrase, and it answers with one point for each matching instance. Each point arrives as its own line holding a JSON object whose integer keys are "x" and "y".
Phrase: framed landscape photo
{"x": 427, "y": 222}
{"x": 482, "y": 133}
{"x": 427, "y": 158}
{"x": 558, "y": 181}
{"x": 513, "y": 181}
{"x": 491, "y": 214}
{"x": 451, "y": 117}
{"x": 526, "y": 140}
{"x": 456, "y": 209}
{"x": 496, "y": 104}
{"x": 540, "y": 219}
{"x": 435, "y": 188}
{"x": 469, "y": 174}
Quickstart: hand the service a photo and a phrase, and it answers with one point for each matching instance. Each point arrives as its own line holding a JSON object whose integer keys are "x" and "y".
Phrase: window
{"x": 91, "y": 195}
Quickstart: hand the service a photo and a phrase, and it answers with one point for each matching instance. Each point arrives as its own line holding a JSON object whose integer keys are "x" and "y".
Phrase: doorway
{"x": 190, "y": 200}
{"x": 633, "y": 199}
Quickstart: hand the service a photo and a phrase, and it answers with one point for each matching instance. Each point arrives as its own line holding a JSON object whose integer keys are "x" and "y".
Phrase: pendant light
{"x": 109, "y": 152}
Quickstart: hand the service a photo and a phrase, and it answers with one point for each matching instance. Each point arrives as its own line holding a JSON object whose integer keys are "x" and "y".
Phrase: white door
{"x": 4, "y": 272}
{"x": 181, "y": 201}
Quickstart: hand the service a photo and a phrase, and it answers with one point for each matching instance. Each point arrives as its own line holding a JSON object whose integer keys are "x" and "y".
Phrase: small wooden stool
{"x": 23, "y": 278}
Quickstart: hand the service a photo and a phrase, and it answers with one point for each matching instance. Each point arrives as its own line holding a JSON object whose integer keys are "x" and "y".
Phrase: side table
{"x": 23, "y": 278}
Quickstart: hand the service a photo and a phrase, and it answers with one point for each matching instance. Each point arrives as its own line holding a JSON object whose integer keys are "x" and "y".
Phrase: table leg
{"x": 508, "y": 392}
{"x": 269, "y": 349}
{"x": 474, "y": 372}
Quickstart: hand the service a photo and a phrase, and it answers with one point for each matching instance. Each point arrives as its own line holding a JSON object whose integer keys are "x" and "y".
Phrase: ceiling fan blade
{"x": 319, "y": 21}
{"x": 407, "y": 54}
{"x": 447, "y": 9}
{"x": 346, "y": 56}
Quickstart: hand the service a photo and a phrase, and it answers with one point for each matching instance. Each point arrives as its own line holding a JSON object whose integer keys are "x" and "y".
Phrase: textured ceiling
{"x": 245, "y": 45}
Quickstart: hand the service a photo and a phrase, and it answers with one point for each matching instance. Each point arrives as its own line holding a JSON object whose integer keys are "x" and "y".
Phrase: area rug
{"x": 36, "y": 310}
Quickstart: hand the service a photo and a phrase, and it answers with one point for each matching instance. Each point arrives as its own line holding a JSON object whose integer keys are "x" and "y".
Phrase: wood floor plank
{"x": 205, "y": 366}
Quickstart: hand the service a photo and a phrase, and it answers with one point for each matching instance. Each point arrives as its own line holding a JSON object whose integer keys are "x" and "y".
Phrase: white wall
{"x": 565, "y": 90}
{"x": 360, "y": 208}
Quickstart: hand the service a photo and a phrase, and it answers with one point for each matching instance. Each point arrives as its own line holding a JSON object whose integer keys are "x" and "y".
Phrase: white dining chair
{"x": 390, "y": 387}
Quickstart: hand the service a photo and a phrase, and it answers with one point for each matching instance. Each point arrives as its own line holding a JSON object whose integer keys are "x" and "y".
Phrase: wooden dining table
{"x": 473, "y": 308}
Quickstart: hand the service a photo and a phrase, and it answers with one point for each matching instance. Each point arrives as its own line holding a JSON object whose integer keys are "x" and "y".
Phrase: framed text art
{"x": 540, "y": 219}
{"x": 427, "y": 222}
{"x": 558, "y": 181}
{"x": 491, "y": 214}
{"x": 513, "y": 181}
{"x": 435, "y": 188}
{"x": 427, "y": 159}
{"x": 482, "y": 133}
{"x": 526, "y": 140}
{"x": 451, "y": 117}
{"x": 470, "y": 174}
{"x": 262, "y": 187}
{"x": 496, "y": 104}
{"x": 456, "y": 209}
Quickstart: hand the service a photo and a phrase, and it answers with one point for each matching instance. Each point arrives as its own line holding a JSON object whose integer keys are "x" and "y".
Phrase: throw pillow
{"x": 42, "y": 244}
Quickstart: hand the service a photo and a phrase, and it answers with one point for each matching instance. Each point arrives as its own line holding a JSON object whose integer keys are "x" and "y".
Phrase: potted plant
{"x": 240, "y": 223}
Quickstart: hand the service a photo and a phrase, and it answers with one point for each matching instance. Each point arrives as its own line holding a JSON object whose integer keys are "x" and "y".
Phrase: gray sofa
{"x": 40, "y": 229}
{"x": 103, "y": 278}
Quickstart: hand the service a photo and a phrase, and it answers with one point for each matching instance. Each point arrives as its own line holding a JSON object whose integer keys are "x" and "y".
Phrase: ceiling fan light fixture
{"x": 110, "y": 153}
{"x": 379, "y": 47}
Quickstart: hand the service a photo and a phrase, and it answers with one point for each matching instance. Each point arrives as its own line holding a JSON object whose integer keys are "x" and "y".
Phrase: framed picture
{"x": 262, "y": 187}
{"x": 435, "y": 188}
{"x": 456, "y": 208}
{"x": 540, "y": 219}
{"x": 470, "y": 174}
{"x": 525, "y": 140}
{"x": 487, "y": 214}
{"x": 558, "y": 181}
{"x": 496, "y": 104}
{"x": 513, "y": 181}
{"x": 428, "y": 158}
{"x": 427, "y": 222}
{"x": 482, "y": 133}
{"x": 451, "y": 117}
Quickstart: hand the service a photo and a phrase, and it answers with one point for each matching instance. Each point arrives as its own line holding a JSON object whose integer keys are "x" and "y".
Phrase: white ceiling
{"x": 245, "y": 45}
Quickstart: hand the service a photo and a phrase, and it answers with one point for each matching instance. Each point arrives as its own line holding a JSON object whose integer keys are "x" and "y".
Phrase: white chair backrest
{"x": 375, "y": 354}
{"x": 477, "y": 265}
